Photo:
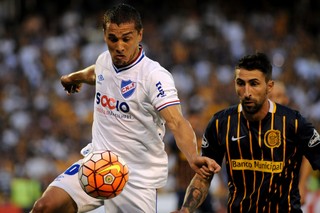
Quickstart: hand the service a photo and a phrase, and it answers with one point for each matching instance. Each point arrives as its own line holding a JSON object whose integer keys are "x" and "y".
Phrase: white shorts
{"x": 131, "y": 200}
{"x": 69, "y": 182}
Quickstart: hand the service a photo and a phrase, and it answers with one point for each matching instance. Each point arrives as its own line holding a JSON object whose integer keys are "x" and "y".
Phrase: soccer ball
{"x": 103, "y": 174}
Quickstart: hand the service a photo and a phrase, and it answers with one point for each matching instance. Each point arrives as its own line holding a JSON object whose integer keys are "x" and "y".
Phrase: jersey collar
{"x": 138, "y": 59}
{"x": 272, "y": 108}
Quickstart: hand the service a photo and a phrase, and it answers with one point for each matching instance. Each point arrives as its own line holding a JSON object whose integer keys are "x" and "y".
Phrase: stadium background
{"x": 42, "y": 129}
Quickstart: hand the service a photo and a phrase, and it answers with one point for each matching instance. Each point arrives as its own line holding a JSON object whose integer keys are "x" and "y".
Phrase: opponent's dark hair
{"x": 122, "y": 13}
{"x": 257, "y": 61}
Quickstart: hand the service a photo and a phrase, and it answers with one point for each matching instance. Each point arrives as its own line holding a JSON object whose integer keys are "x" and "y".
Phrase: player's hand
{"x": 69, "y": 85}
{"x": 205, "y": 166}
{"x": 183, "y": 210}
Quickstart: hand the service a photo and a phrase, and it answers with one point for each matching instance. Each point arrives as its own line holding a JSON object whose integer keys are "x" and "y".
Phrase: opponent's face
{"x": 252, "y": 89}
{"x": 123, "y": 42}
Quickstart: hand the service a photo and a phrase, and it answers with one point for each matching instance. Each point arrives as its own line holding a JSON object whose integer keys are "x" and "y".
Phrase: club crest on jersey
{"x": 272, "y": 138}
{"x": 127, "y": 88}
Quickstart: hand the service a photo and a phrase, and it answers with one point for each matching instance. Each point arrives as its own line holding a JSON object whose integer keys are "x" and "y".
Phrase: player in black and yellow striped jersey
{"x": 263, "y": 143}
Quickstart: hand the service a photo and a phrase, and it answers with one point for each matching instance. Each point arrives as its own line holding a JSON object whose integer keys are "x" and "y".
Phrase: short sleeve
{"x": 310, "y": 140}
{"x": 162, "y": 90}
{"x": 210, "y": 142}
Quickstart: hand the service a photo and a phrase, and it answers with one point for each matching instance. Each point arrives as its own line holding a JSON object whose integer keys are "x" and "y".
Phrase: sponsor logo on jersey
{"x": 315, "y": 139}
{"x": 238, "y": 138}
{"x": 111, "y": 103}
{"x": 205, "y": 143}
{"x": 127, "y": 88}
{"x": 100, "y": 77}
{"x": 257, "y": 165}
{"x": 160, "y": 89}
{"x": 272, "y": 138}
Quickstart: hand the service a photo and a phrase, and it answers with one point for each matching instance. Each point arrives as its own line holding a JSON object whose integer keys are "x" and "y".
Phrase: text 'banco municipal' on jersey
{"x": 257, "y": 165}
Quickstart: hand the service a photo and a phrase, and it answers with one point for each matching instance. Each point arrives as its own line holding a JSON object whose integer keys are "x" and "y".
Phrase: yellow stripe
{"x": 232, "y": 197}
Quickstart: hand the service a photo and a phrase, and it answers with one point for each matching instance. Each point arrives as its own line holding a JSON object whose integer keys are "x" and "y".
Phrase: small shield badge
{"x": 127, "y": 88}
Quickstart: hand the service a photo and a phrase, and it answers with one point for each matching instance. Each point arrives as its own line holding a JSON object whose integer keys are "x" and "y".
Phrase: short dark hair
{"x": 257, "y": 61}
{"x": 122, "y": 13}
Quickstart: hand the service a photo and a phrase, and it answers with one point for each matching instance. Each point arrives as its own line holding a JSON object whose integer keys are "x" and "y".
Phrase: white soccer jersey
{"x": 127, "y": 119}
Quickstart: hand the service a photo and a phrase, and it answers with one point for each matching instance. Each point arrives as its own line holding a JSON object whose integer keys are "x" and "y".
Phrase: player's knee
{"x": 52, "y": 204}
{"x": 42, "y": 206}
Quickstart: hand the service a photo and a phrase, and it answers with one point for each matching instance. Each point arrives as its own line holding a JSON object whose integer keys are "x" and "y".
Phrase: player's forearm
{"x": 182, "y": 131}
{"x": 86, "y": 75}
{"x": 305, "y": 171}
{"x": 196, "y": 193}
{"x": 186, "y": 141}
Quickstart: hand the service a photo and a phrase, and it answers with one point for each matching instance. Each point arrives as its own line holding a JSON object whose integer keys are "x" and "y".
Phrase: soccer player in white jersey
{"x": 135, "y": 98}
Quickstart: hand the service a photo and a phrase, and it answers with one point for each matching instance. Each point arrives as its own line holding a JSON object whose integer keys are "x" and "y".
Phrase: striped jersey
{"x": 263, "y": 158}
{"x": 126, "y": 115}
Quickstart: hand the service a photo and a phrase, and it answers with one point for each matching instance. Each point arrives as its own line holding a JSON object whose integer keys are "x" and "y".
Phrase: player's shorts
{"x": 131, "y": 200}
{"x": 69, "y": 182}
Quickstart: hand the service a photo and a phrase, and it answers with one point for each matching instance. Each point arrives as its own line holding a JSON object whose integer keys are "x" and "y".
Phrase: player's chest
{"x": 120, "y": 86}
{"x": 259, "y": 140}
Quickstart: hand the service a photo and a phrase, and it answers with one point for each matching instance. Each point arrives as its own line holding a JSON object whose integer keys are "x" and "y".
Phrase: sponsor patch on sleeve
{"x": 315, "y": 139}
{"x": 205, "y": 143}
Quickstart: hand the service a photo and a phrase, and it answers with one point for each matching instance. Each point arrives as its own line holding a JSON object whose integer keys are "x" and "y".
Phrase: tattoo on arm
{"x": 193, "y": 199}
{"x": 196, "y": 193}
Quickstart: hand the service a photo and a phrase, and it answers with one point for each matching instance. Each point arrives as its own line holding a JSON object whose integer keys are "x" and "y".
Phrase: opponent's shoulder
{"x": 282, "y": 110}
{"x": 292, "y": 116}
{"x": 224, "y": 113}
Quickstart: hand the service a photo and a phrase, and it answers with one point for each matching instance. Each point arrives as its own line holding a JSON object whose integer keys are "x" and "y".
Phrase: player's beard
{"x": 120, "y": 63}
{"x": 255, "y": 108}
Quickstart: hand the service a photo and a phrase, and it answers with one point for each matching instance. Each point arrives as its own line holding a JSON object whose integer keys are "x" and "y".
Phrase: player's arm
{"x": 72, "y": 82}
{"x": 186, "y": 141}
{"x": 196, "y": 193}
{"x": 305, "y": 172}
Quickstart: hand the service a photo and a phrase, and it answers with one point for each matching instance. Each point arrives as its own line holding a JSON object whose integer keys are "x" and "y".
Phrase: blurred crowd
{"x": 42, "y": 129}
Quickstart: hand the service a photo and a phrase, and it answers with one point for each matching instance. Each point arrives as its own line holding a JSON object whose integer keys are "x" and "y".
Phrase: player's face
{"x": 252, "y": 89}
{"x": 123, "y": 42}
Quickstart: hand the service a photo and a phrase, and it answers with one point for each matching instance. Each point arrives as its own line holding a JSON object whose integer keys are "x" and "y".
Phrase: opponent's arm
{"x": 186, "y": 141}
{"x": 305, "y": 172}
{"x": 72, "y": 82}
{"x": 196, "y": 193}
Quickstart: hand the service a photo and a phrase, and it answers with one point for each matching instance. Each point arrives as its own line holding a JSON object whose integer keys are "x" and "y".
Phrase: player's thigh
{"x": 69, "y": 182}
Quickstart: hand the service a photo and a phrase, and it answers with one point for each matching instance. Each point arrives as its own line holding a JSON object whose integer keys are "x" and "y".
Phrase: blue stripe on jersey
{"x": 168, "y": 104}
{"x": 139, "y": 58}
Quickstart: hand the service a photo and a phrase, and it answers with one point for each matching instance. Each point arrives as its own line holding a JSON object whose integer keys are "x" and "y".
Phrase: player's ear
{"x": 140, "y": 34}
{"x": 270, "y": 85}
{"x": 104, "y": 36}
